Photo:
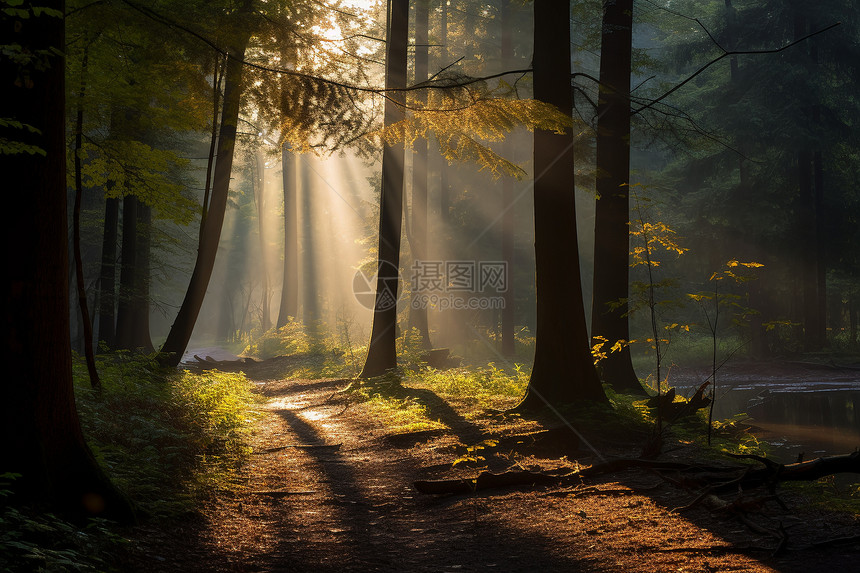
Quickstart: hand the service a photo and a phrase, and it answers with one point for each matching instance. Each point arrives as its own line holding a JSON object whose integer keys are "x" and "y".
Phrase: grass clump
{"x": 477, "y": 389}
{"x": 391, "y": 404}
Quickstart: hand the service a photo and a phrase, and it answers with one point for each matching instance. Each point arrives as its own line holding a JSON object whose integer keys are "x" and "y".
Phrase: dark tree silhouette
{"x": 183, "y": 325}
{"x": 611, "y": 228}
{"x": 382, "y": 353}
{"x": 418, "y": 234}
{"x": 563, "y": 370}
{"x": 41, "y": 436}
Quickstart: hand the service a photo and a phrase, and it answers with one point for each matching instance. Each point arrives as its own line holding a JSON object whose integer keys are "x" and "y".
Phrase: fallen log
{"x": 488, "y": 480}
{"x": 810, "y": 470}
{"x": 770, "y": 475}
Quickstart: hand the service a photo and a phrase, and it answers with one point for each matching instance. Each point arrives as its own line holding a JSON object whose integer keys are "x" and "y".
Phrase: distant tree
{"x": 612, "y": 215}
{"x": 508, "y": 316}
{"x": 132, "y": 323}
{"x": 418, "y": 234}
{"x": 289, "y": 306}
{"x": 183, "y": 325}
{"x": 40, "y": 436}
{"x": 381, "y": 352}
{"x": 563, "y": 370}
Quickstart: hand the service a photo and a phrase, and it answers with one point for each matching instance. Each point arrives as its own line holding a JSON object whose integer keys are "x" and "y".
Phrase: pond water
{"x": 807, "y": 410}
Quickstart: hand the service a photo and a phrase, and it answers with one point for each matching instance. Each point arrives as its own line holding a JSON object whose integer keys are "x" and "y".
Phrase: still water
{"x": 808, "y": 410}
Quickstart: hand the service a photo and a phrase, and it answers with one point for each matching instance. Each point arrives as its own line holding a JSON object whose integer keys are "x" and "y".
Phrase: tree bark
{"x": 290, "y": 287}
{"x": 107, "y": 275}
{"x": 418, "y": 236}
{"x": 183, "y": 325}
{"x": 128, "y": 253}
{"x": 612, "y": 214}
{"x": 259, "y": 192}
{"x": 563, "y": 370}
{"x": 40, "y": 435}
{"x": 508, "y": 226}
{"x": 381, "y": 353}
{"x": 95, "y": 382}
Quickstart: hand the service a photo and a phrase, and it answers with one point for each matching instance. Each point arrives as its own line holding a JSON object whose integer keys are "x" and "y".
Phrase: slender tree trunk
{"x": 107, "y": 275}
{"x": 310, "y": 279}
{"x": 806, "y": 236}
{"x": 132, "y": 323}
{"x": 444, "y": 322}
{"x": 563, "y": 370}
{"x": 612, "y": 214}
{"x": 259, "y": 188}
{"x": 807, "y": 232}
{"x": 508, "y": 226}
{"x": 95, "y": 382}
{"x": 217, "y": 76}
{"x": 820, "y": 336}
{"x": 40, "y": 435}
{"x": 140, "y": 334}
{"x": 183, "y": 326}
{"x": 418, "y": 236}
{"x": 382, "y": 354}
{"x": 290, "y": 290}
{"x": 128, "y": 254}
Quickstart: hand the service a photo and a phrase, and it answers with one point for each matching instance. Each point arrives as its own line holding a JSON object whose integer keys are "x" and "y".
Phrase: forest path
{"x": 327, "y": 489}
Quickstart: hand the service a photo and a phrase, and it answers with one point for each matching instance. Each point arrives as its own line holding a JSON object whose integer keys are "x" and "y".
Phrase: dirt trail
{"x": 337, "y": 496}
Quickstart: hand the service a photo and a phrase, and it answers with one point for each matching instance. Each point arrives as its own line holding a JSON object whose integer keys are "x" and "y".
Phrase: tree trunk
{"x": 418, "y": 236}
{"x": 141, "y": 338}
{"x": 217, "y": 76}
{"x": 259, "y": 193}
{"x": 95, "y": 382}
{"x": 612, "y": 214}
{"x": 290, "y": 290}
{"x": 107, "y": 275}
{"x": 40, "y": 436}
{"x": 128, "y": 253}
{"x": 563, "y": 370}
{"x": 382, "y": 354}
{"x": 183, "y": 325}
{"x": 508, "y": 226}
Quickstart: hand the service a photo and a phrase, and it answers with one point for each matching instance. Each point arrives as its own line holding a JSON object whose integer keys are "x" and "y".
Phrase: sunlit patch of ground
{"x": 329, "y": 488}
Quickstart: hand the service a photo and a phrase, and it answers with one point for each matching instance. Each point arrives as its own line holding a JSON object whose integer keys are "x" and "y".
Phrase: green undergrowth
{"x": 833, "y": 493}
{"x": 730, "y": 436}
{"x": 406, "y": 400}
{"x": 167, "y": 439}
{"x": 316, "y": 351}
{"x": 474, "y": 390}
{"x": 391, "y": 406}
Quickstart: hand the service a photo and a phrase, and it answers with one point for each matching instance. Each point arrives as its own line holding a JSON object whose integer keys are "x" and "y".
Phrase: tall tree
{"x": 183, "y": 325}
{"x": 382, "y": 353}
{"x": 289, "y": 306}
{"x": 40, "y": 437}
{"x": 612, "y": 213}
{"x": 563, "y": 370}
{"x": 259, "y": 187}
{"x": 508, "y": 227}
{"x": 418, "y": 235}
{"x": 89, "y": 351}
{"x": 132, "y": 323}
{"x": 107, "y": 274}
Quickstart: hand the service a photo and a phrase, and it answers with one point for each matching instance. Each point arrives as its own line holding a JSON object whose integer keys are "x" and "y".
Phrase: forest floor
{"x": 330, "y": 488}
